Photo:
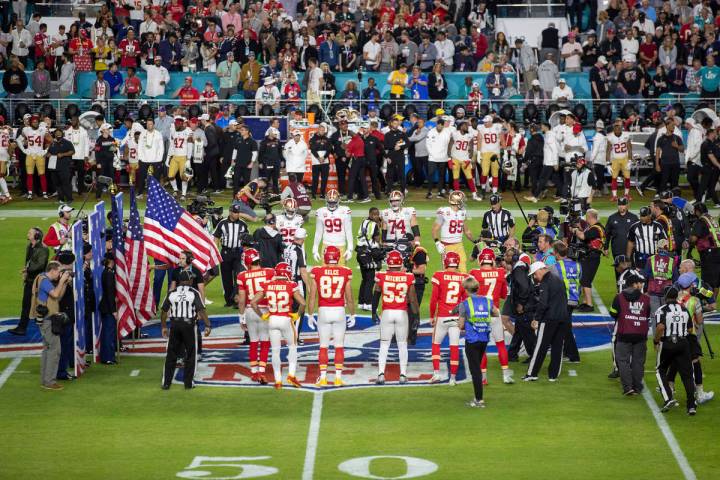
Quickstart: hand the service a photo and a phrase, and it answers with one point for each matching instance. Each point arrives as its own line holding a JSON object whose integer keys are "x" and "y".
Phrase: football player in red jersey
{"x": 447, "y": 292}
{"x": 396, "y": 288}
{"x": 280, "y": 292}
{"x": 330, "y": 291}
{"x": 249, "y": 283}
{"x": 493, "y": 284}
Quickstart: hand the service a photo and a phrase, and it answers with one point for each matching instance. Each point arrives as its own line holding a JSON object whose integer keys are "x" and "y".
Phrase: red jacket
{"x": 356, "y": 147}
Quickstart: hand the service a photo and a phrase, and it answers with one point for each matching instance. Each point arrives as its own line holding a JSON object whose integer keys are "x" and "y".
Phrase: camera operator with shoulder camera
{"x": 248, "y": 197}
{"x": 594, "y": 238}
{"x": 48, "y": 289}
{"x": 369, "y": 256}
{"x": 229, "y": 234}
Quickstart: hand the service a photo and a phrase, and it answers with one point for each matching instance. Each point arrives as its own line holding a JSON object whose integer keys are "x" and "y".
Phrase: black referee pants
{"x": 474, "y": 353}
{"x": 356, "y": 179}
{"x": 182, "y": 339}
{"x": 676, "y": 355}
{"x": 230, "y": 266}
{"x": 524, "y": 335}
{"x": 550, "y": 335}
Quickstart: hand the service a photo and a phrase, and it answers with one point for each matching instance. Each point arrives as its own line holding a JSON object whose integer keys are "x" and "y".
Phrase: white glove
{"x": 242, "y": 319}
{"x": 348, "y": 255}
{"x": 312, "y": 321}
{"x": 316, "y": 254}
{"x": 167, "y": 161}
{"x": 440, "y": 247}
{"x": 351, "y": 321}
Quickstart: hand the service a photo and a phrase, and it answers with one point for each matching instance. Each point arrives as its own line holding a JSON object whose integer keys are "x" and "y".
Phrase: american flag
{"x": 169, "y": 229}
{"x": 132, "y": 272}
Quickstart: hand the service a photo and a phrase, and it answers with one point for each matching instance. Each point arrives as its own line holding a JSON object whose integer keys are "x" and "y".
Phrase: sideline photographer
{"x": 251, "y": 195}
{"x": 594, "y": 238}
{"x": 705, "y": 236}
{"x": 48, "y": 289}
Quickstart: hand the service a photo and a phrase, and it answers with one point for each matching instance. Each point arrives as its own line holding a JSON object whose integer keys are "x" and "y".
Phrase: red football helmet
{"x": 332, "y": 255}
{"x": 451, "y": 260}
{"x": 394, "y": 259}
{"x": 282, "y": 269}
{"x": 486, "y": 256}
{"x": 250, "y": 256}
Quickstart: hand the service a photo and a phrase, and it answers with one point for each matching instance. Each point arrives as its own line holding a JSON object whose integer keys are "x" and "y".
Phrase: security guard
{"x": 671, "y": 341}
{"x": 183, "y": 305}
{"x": 631, "y": 310}
{"x": 569, "y": 271}
{"x": 705, "y": 236}
{"x": 661, "y": 271}
{"x": 229, "y": 233}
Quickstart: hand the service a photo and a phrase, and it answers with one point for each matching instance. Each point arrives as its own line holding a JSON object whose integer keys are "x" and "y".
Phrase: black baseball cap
{"x": 620, "y": 259}
{"x": 622, "y": 201}
{"x": 494, "y": 199}
{"x": 666, "y": 195}
{"x": 185, "y": 276}
{"x": 235, "y": 208}
{"x": 645, "y": 212}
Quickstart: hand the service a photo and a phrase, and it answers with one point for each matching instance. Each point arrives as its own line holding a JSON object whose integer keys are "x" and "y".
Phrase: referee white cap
{"x": 536, "y": 266}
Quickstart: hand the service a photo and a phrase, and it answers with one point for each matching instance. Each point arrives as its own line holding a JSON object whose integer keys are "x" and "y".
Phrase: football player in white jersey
{"x": 6, "y": 137}
{"x": 398, "y": 220}
{"x": 619, "y": 153}
{"x": 334, "y": 227}
{"x": 289, "y": 221}
{"x": 33, "y": 145}
{"x": 129, "y": 146}
{"x": 450, "y": 226}
{"x": 180, "y": 153}
{"x": 488, "y": 140}
{"x": 461, "y": 155}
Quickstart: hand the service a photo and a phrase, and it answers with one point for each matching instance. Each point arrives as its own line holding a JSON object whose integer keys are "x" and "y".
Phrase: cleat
{"x": 45, "y": 195}
{"x": 380, "y": 379}
{"x": 508, "y": 380}
{"x": 293, "y": 381}
{"x": 339, "y": 383}
{"x": 614, "y": 374}
{"x": 529, "y": 378}
{"x": 165, "y": 387}
{"x": 452, "y": 382}
{"x": 403, "y": 379}
{"x": 321, "y": 382}
{"x": 183, "y": 198}
{"x": 692, "y": 411}
{"x": 476, "y": 404}
{"x": 429, "y": 196}
{"x": 261, "y": 379}
{"x": 477, "y": 196}
{"x": 628, "y": 196}
{"x": 705, "y": 397}
{"x": 29, "y": 196}
{"x": 629, "y": 393}
{"x": 254, "y": 377}
{"x": 278, "y": 385}
{"x": 668, "y": 405}
{"x": 553, "y": 380}
{"x": 436, "y": 378}
{"x": 639, "y": 190}
{"x": 613, "y": 199}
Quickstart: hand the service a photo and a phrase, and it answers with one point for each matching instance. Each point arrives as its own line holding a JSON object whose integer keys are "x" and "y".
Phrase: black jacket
{"x": 339, "y": 145}
{"x": 373, "y": 148}
{"x": 270, "y": 153}
{"x": 270, "y": 246}
{"x": 107, "y": 301}
{"x": 227, "y": 146}
{"x": 36, "y": 259}
{"x": 534, "y": 148}
{"x": 245, "y": 148}
{"x": 392, "y": 138}
{"x": 521, "y": 291}
{"x": 213, "y": 142}
{"x": 321, "y": 143}
{"x": 552, "y": 300}
{"x": 616, "y": 231}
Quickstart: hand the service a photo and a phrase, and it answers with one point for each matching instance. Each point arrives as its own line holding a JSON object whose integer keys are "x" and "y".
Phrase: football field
{"x": 116, "y": 423}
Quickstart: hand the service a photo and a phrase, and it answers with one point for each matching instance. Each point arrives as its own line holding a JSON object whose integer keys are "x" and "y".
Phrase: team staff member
{"x": 498, "y": 220}
{"x": 320, "y": 149}
{"x": 594, "y": 238}
{"x": 642, "y": 238}
{"x": 36, "y": 259}
{"x": 475, "y": 316}
{"x": 356, "y": 155}
{"x": 151, "y": 151}
{"x": 667, "y": 155}
{"x": 571, "y": 274}
{"x": 396, "y": 144}
{"x": 48, "y": 289}
{"x": 183, "y": 305}
{"x": 550, "y": 321}
{"x": 244, "y": 157}
{"x": 338, "y": 140}
{"x": 671, "y": 342}
{"x": 228, "y": 234}
{"x": 59, "y": 165}
{"x": 374, "y": 152}
{"x": 520, "y": 306}
{"x": 617, "y": 228}
{"x": 631, "y": 311}
{"x": 705, "y": 236}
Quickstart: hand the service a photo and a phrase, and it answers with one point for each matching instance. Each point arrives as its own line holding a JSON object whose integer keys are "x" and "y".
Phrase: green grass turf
{"x": 109, "y": 425}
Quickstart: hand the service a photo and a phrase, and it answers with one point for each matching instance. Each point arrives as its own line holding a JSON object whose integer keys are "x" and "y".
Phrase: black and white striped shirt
{"x": 294, "y": 255}
{"x": 646, "y": 236}
{"x": 230, "y": 233}
{"x": 499, "y": 223}
{"x": 183, "y": 303}
{"x": 675, "y": 318}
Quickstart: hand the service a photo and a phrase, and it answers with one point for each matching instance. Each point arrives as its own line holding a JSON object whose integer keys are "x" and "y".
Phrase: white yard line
{"x": 135, "y": 373}
{"x": 313, "y": 434}
{"x": 672, "y": 442}
{"x": 9, "y": 370}
{"x": 599, "y": 303}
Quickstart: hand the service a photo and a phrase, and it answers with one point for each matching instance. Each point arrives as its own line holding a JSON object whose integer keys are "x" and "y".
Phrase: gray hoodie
{"x": 418, "y": 138}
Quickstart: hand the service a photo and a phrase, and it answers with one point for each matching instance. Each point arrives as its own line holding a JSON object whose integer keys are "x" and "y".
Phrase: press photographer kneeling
{"x": 594, "y": 238}
{"x": 48, "y": 289}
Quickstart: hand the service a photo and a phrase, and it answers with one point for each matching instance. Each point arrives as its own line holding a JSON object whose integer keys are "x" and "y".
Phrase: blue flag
{"x": 79, "y": 291}
{"x": 96, "y": 234}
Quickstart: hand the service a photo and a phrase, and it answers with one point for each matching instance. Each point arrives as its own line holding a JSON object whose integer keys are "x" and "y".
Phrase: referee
{"x": 498, "y": 220}
{"x": 643, "y": 237}
{"x": 673, "y": 346}
{"x": 183, "y": 305}
{"x": 229, "y": 233}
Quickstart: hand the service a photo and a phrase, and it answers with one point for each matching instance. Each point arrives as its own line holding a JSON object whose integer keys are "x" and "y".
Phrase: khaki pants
{"x": 177, "y": 165}
{"x": 33, "y": 162}
{"x": 50, "y": 356}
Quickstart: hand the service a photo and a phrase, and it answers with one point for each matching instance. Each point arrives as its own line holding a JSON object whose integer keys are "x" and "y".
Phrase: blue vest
{"x": 477, "y": 324}
{"x": 569, "y": 272}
